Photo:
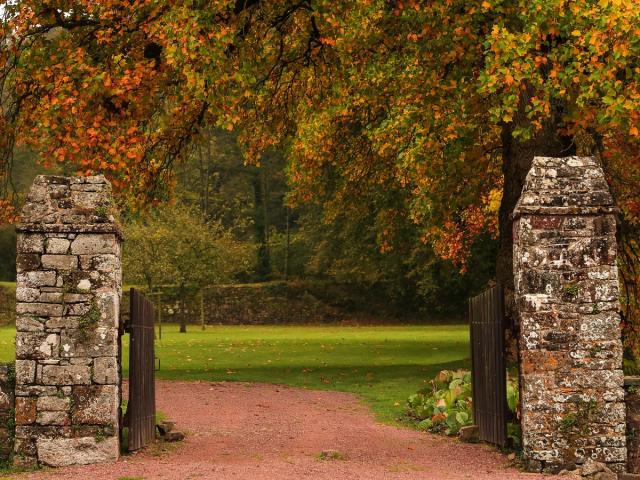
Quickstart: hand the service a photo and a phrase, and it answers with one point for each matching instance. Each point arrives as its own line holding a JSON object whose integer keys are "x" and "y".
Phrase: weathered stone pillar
{"x": 68, "y": 299}
{"x": 566, "y": 288}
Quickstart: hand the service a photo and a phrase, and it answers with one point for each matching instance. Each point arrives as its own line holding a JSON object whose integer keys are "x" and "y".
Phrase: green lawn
{"x": 381, "y": 364}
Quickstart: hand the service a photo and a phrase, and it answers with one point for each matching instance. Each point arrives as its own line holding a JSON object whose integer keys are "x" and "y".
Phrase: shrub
{"x": 446, "y": 404}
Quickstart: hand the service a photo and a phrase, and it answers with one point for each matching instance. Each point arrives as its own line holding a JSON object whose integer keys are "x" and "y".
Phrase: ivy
{"x": 89, "y": 319}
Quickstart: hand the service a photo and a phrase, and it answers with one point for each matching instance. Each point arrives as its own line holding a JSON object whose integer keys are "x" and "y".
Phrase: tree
{"x": 450, "y": 99}
{"x": 146, "y": 254}
{"x": 173, "y": 246}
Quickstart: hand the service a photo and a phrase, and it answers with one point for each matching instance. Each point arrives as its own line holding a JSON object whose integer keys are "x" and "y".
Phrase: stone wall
{"x": 297, "y": 302}
{"x": 68, "y": 298}
{"x": 251, "y": 304}
{"x": 566, "y": 290}
{"x": 7, "y": 413}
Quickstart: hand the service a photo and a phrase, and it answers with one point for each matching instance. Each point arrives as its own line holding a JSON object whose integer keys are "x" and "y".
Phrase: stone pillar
{"x": 68, "y": 299}
{"x": 566, "y": 290}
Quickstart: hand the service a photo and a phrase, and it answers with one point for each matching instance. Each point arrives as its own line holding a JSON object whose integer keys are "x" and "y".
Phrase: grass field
{"x": 381, "y": 364}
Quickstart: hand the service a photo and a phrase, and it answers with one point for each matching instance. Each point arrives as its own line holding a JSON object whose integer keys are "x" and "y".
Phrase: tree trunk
{"x": 517, "y": 157}
{"x": 263, "y": 266}
{"x": 287, "y": 248}
{"x": 183, "y": 313}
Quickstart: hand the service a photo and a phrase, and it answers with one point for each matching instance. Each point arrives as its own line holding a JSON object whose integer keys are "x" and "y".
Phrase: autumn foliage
{"x": 368, "y": 96}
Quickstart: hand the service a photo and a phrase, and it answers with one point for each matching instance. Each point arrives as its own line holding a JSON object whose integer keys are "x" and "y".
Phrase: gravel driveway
{"x": 259, "y": 431}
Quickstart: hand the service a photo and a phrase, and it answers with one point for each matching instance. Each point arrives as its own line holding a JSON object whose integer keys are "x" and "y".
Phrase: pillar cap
{"x": 565, "y": 186}
{"x": 58, "y": 204}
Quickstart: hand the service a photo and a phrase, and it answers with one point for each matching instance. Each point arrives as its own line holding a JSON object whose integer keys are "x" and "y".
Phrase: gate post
{"x": 566, "y": 288}
{"x": 68, "y": 300}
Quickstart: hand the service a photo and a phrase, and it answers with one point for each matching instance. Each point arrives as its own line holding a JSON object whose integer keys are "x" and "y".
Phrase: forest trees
{"x": 445, "y": 101}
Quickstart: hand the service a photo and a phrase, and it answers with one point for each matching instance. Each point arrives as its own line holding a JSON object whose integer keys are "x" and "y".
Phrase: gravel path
{"x": 258, "y": 431}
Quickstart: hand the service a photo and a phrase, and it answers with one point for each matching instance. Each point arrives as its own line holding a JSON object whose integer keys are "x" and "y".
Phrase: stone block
{"x": 584, "y": 379}
{"x": 601, "y": 326}
{"x": 89, "y": 342}
{"x": 44, "y": 431}
{"x": 66, "y": 375}
{"x": 542, "y": 360}
{"x": 109, "y": 306}
{"x": 25, "y": 294}
{"x": 25, "y": 371}
{"x": 87, "y": 200}
{"x": 60, "y": 262}
{"x": 77, "y": 309}
{"x": 53, "y": 418}
{"x": 100, "y": 263}
{"x": 36, "y": 345}
{"x": 83, "y": 285}
{"x": 77, "y": 297}
{"x": 36, "y": 279}
{"x": 39, "y": 309}
{"x": 29, "y": 323}
{"x": 57, "y": 246}
{"x": 94, "y": 244}
{"x": 26, "y": 262}
{"x": 26, "y": 410}
{"x": 58, "y": 323}
{"x": 30, "y": 243}
{"x": 53, "y": 403}
{"x": 105, "y": 370}
{"x": 51, "y": 297}
{"x": 95, "y": 405}
{"x": 35, "y": 390}
{"x": 60, "y": 452}
{"x": 25, "y": 446}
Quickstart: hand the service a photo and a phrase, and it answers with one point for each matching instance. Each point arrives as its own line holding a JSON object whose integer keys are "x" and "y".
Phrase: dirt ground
{"x": 259, "y": 431}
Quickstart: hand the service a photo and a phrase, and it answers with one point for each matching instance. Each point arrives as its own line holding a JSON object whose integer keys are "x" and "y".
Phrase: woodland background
{"x": 231, "y": 224}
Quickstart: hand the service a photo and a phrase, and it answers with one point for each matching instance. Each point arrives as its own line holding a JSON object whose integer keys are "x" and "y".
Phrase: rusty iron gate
{"x": 488, "y": 373}
{"x": 141, "y": 408}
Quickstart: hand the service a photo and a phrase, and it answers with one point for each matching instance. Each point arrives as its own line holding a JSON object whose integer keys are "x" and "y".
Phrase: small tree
{"x": 146, "y": 251}
{"x": 175, "y": 246}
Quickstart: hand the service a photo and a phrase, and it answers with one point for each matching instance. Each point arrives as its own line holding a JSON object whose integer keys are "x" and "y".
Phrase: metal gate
{"x": 141, "y": 408}
{"x": 487, "y": 325}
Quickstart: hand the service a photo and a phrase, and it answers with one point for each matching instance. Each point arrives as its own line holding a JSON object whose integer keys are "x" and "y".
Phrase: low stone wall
{"x": 259, "y": 304}
{"x": 7, "y": 412}
{"x": 279, "y": 302}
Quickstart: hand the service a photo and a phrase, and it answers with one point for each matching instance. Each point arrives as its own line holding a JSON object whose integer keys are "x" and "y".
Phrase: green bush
{"x": 446, "y": 405}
